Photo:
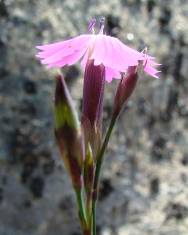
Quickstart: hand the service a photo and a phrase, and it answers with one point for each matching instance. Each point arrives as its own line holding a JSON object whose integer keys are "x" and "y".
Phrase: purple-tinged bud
{"x": 67, "y": 132}
{"x": 125, "y": 89}
{"x": 93, "y": 94}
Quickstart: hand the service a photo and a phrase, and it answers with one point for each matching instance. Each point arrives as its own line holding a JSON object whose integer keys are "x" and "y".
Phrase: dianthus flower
{"x": 102, "y": 49}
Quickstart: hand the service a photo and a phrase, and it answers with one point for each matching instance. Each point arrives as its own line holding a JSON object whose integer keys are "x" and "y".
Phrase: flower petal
{"x": 55, "y": 52}
{"x": 150, "y": 67}
{"x": 84, "y": 60}
{"x": 103, "y": 49}
{"x": 67, "y": 60}
{"x": 114, "y": 54}
{"x": 110, "y": 74}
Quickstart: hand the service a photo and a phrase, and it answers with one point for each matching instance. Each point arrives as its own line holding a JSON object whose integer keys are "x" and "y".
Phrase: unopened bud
{"x": 67, "y": 131}
{"x": 93, "y": 94}
{"x": 125, "y": 89}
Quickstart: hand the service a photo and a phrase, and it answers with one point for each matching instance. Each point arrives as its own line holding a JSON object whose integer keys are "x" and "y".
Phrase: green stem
{"x": 89, "y": 209}
{"x": 94, "y": 217}
{"x": 99, "y": 161}
{"x": 100, "y": 156}
{"x": 81, "y": 210}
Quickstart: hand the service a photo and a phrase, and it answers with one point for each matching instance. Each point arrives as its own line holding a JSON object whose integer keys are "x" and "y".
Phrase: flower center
{"x": 92, "y": 23}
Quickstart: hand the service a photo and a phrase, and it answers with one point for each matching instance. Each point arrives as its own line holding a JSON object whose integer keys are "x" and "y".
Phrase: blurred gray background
{"x": 144, "y": 186}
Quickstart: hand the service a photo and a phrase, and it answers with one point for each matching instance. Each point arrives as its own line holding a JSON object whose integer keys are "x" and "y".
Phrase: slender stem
{"x": 94, "y": 217}
{"x": 89, "y": 210}
{"x": 100, "y": 156}
{"x": 81, "y": 211}
{"x": 99, "y": 161}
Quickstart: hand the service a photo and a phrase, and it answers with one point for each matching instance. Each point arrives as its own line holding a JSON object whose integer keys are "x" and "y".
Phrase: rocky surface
{"x": 145, "y": 175}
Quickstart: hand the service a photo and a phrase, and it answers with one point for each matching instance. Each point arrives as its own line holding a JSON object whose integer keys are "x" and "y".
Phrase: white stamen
{"x": 91, "y": 26}
{"x": 102, "y": 23}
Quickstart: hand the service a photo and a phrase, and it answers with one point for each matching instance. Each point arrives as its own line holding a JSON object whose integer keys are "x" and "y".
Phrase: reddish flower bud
{"x": 93, "y": 93}
{"x": 125, "y": 89}
{"x": 67, "y": 131}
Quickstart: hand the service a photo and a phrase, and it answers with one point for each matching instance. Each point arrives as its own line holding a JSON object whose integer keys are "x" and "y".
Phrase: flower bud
{"x": 125, "y": 89}
{"x": 67, "y": 132}
{"x": 93, "y": 93}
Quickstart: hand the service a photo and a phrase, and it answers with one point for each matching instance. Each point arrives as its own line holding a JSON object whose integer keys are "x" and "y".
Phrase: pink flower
{"x": 103, "y": 49}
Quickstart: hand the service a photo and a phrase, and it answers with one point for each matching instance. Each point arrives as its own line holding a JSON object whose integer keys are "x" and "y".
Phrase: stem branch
{"x": 99, "y": 161}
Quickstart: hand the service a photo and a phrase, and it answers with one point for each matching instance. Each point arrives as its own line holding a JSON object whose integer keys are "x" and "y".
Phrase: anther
{"x": 144, "y": 62}
{"x": 91, "y": 26}
{"x": 102, "y": 23}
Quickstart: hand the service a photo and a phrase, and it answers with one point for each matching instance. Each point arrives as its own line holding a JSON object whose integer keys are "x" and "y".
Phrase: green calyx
{"x": 64, "y": 115}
